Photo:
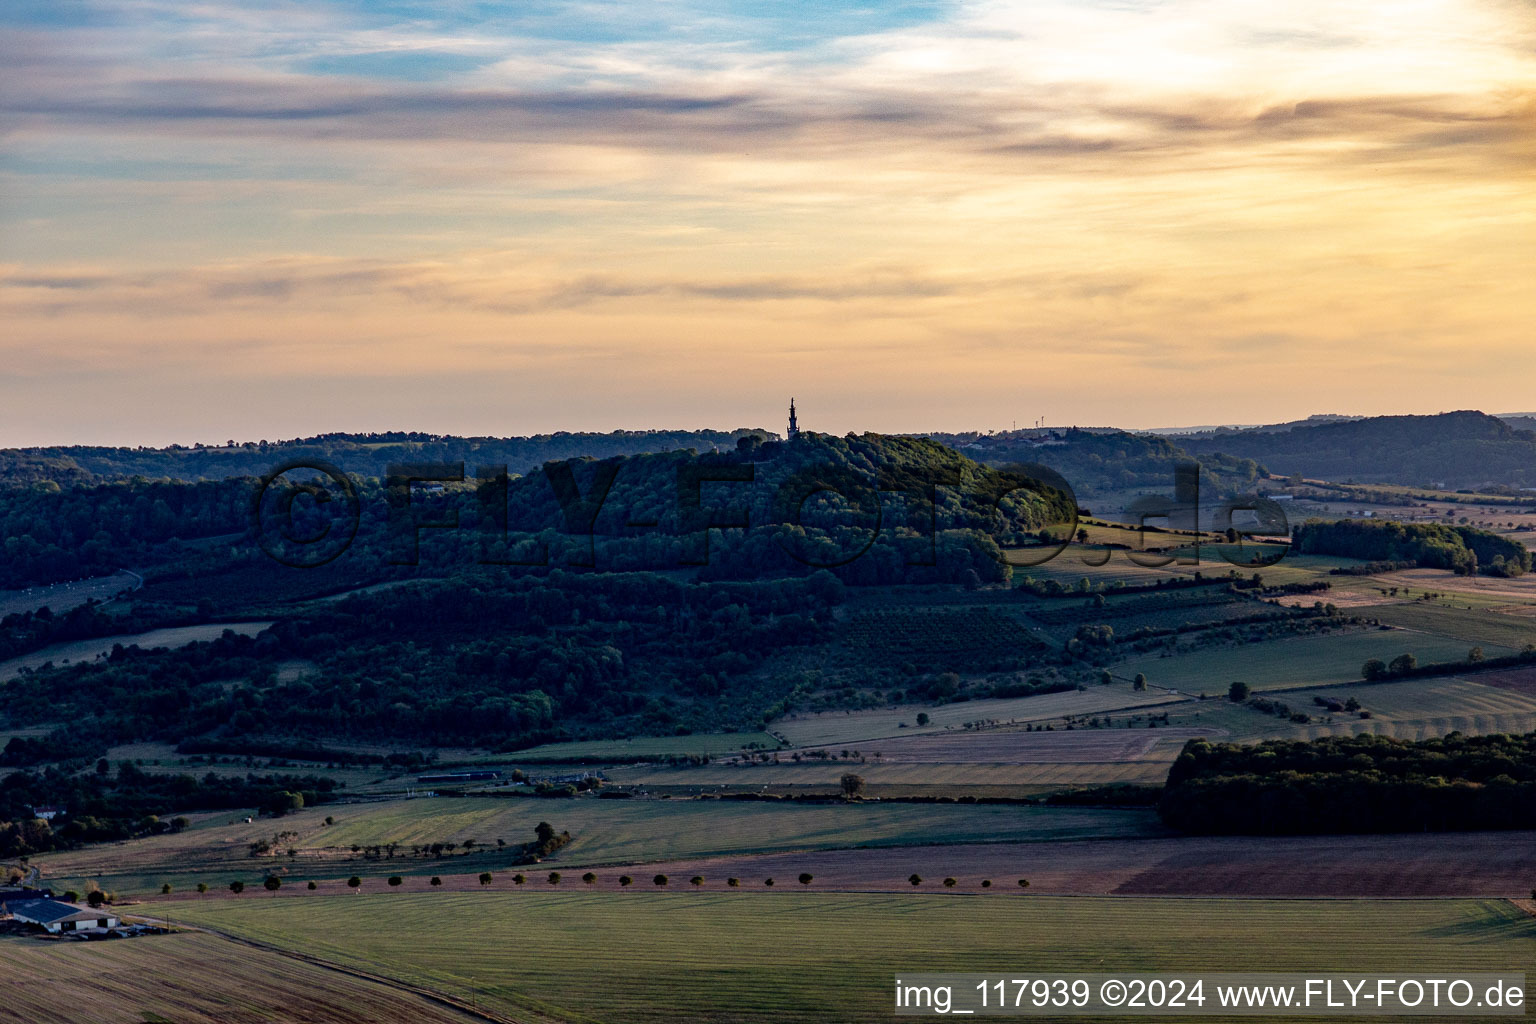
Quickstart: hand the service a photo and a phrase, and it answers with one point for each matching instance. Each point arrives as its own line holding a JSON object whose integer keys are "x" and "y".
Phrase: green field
{"x": 604, "y": 832}
{"x": 704, "y": 744}
{"x": 1294, "y": 662}
{"x": 1471, "y": 626}
{"x": 645, "y": 956}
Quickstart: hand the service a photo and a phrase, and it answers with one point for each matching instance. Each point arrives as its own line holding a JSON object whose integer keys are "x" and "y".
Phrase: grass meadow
{"x": 1294, "y": 662}
{"x": 649, "y": 956}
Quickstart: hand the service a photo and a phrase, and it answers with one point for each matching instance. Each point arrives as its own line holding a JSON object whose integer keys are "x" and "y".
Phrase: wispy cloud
{"x": 1094, "y": 186}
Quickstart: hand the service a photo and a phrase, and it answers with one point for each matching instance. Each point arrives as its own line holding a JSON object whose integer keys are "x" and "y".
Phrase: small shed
{"x": 57, "y": 916}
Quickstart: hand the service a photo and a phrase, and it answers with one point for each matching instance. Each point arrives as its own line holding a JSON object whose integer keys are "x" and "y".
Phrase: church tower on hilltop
{"x": 794, "y": 426}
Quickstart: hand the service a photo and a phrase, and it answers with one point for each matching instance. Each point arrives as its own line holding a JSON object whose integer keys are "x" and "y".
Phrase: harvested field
{"x": 829, "y": 728}
{"x": 902, "y": 779}
{"x": 1522, "y": 680}
{"x": 1480, "y": 864}
{"x": 1443, "y": 580}
{"x": 1016, "y": 747}
{"x": 192, "y": 978}
{"x": 604, "y": 831}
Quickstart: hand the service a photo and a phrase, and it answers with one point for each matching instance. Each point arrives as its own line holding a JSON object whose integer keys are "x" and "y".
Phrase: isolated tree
{"x": 435, "y": 881}
{"x": 165, "y": 890}
{"x": 395, "y": 880}
{"x": 1475, "y": 655}
{"x": 312, "y": 887}
{"x": 768, "y": 882}
{"x": 915, "y": 878}
{"x": 625, "y": 880}
{"x": 202, "y": 887}
{"x": 354, "y": 883}
{"x": 1238, "y": 692}
{"x": 518, "y": 878}
{"x": 922, "y": 718}
{"x": 485, "y": 878}
{"x": 853, "y": 785}
{"x": 986, "y": 883}
{"x": 237, "y": 887}
{"x": 696, "y": 880}
{"x": 1105, "y": 678}
{"x": 95, "y": 898}
{"x": 1140, "y": 682}
{"x": 272, "y": 883}
{"x": 805, "y": 878}
{"x": 589, "y": 878}
{"x": 660, "y": 880}
{"x": 1023, "y": 883}
{"x": 735, "y": 883}
{"x": 949, "y": 883}
{"x": 554, "y": 878}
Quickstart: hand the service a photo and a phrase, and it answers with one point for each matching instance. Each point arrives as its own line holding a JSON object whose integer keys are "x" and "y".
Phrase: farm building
{"x": 57, "y": 916}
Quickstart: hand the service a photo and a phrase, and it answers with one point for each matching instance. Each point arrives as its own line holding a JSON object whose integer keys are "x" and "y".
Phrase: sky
{"x": 271, "y": 219}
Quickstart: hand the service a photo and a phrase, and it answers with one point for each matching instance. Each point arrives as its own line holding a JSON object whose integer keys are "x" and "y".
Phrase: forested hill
{"x": 360, "y": 454}
{"x": 629, "y": 508}
{"x": 1457, "y": 449}
{"x": 1094, "y": 461}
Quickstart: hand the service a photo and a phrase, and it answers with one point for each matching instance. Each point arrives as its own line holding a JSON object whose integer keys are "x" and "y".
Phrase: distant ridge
{"x": 1456, "y": 449}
